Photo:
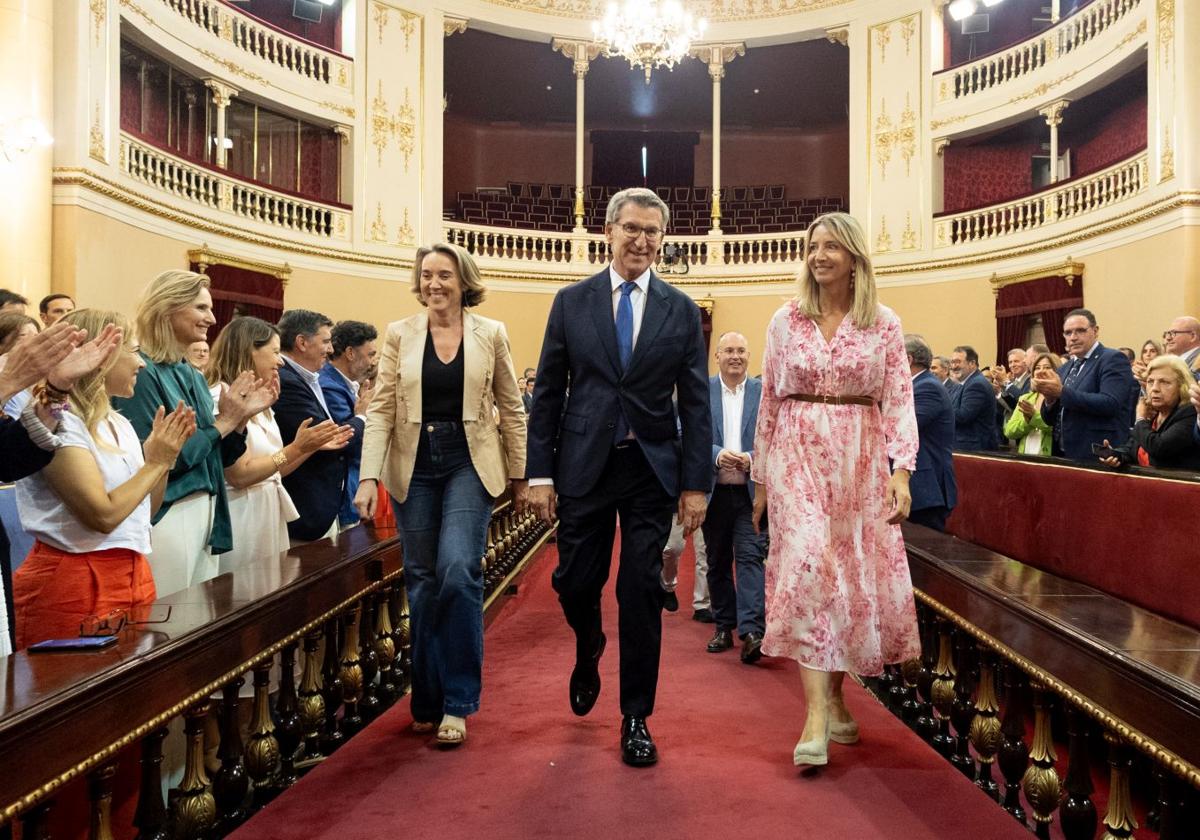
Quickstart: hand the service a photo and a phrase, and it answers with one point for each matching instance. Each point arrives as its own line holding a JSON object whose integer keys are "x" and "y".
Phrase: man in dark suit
{"x": 1089, "y": 395}
{"x": 1018, "y": 384}
{"x": 341, "y": 377}
{"x": 316, "y": 486}
{"x": 529, "y": 379}
{"x": 934, "y": 490}
{"x": 728, "y": 526}
{"x": 974, "y": 404}
{"x": 624, "y": 340}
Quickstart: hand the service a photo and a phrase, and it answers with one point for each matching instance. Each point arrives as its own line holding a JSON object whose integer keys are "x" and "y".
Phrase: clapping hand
{"x": 1139, "y": 371}
{"x": 85, "y": 358}
{"x": 1026, "y": 408}
{"x": 246, "y": 396}
{"x": 1047, "y": 383}
{"x": 168, "y": 434}
{"x": 1000, "y": 376}
{"x": 325, "y": 435}
{"x": 31, "y": 360}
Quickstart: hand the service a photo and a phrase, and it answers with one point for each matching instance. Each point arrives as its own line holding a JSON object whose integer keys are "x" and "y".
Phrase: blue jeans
{"x": 443, "y": 525}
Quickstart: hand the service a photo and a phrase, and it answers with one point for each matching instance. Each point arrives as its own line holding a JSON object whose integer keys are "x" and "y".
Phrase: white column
{"x": 581, "y": 54}
{"x": 716, "y": 56}
{"x": 222, "y": 94}
{"x": 1053, "y": 114}
{"x": 345, "y": 163}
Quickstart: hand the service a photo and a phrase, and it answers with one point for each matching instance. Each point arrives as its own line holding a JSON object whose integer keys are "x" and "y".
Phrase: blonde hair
{"x": 167, "y": 293}
{"x": 847, "y": 232}
{"x": 89, "y": 400}
{"x": 468, "y": 273}
{"x": 1183, "y": 374}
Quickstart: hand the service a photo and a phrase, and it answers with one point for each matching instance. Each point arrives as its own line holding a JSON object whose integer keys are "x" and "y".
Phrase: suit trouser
{"x": 627, "y": 488}
{"x": 734, "y": 550}
{"x": 670, "y": 570}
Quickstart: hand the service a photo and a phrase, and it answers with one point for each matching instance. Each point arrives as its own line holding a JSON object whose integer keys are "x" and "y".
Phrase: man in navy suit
{"x": 934, "y": 490}
{"x": 728, "y": 526}
{"x": 316, "y": 486}
{"x": 624, "y": 341}
{"x": 974, "y": 404}
{"x": 353, "y": 356}
{"x": 1088, "y": 396}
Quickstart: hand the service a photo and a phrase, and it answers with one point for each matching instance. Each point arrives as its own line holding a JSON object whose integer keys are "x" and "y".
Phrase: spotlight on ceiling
{"x": 990, "y": 3}
{"x": 960, "y": 9}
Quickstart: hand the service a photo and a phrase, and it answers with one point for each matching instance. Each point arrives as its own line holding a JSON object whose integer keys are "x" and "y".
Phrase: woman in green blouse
{"x": 1026, "y": 426}
{"x": 192, "y": 526}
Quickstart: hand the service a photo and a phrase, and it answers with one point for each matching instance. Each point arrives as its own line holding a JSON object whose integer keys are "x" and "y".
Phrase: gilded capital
{"x": 1054, "y": 112}
{"x": 343, "y": 131}
{"x": 581, "y": 53}
{"x": 838, "y": 35}
{"x": 452, "y": 25}
{"x": 221, "y": 92}
{"x": 716, "y": 56}
{"x": 940, "y": 144}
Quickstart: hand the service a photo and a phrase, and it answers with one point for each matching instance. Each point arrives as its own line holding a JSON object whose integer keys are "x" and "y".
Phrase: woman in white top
{"x": 89, "y": 508}
{"x": 259, "y": 506}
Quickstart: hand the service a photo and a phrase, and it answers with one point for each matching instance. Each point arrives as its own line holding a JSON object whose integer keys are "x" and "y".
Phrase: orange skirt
{"x": 54, "y": 591}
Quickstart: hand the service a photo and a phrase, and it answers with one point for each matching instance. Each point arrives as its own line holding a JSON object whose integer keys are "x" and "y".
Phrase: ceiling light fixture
{"x": 960, "y": 9}
{"x": 648, "y": 34}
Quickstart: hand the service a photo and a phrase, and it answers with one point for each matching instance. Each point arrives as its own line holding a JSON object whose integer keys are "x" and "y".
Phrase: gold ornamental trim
{"x": 14, "y": 809}
{"x": 1070, "y": 269}
{"x": 714, "y": 10}
{"x": 205, "y": 256}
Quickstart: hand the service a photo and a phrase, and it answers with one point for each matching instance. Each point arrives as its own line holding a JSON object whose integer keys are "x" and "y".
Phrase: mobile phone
{"x": 69, "y": 645}
{"x": 1102, "y": 451}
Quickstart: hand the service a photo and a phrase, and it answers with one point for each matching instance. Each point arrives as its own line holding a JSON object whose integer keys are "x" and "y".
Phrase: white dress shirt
{"x": 733, "y": 401}
{"x": 313, "y": 380}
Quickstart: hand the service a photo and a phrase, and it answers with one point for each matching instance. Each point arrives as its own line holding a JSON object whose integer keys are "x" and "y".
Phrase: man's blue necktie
{"x": 1073, "y": 373}
{"x": 625, "y": 324}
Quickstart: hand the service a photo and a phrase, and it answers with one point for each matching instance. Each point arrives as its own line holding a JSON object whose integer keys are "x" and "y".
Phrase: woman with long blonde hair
{"x": 192, "y": 527}
{"x": 89, "y": 509}
{"x": 837, "y": 407}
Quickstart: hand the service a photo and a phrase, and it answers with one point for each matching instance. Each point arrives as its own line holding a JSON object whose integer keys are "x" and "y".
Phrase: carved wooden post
{"x": 289, "y": 730}
{"x": 369, "y": 705}
{"x": 385, "y": 648}
{"x": 1013, "y": 755}
{"x": 1041, "y": 784}
{"x": 194, "y": 810}
{"x": 351, "y": 675}
{"x": 151, "y": 815}
{"x": 312, "y": 704}
{"x": 230, "y": 782}
{"x": 331, "y": 737}
{"x": 910, "y": 707}
{"x": 35, "y": 823}
{"x": 926, "y": 725}
{"x": 985, "y": 728}
{"x": 962, "y": 713}
{"x": 1119, "y": 822}
{"x": 943, "y": 691}
{"x": 100, "y": 791}
{"x": 403, "y": 637}
{"x": 1078, "y": 814}
{"x": 262, "y": 750}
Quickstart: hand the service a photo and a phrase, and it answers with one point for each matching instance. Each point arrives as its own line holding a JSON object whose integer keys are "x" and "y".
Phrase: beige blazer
{"x": 489, "y": 386}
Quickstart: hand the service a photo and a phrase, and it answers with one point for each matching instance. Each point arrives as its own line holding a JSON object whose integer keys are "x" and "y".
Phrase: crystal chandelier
{"x": 647, "y": 33}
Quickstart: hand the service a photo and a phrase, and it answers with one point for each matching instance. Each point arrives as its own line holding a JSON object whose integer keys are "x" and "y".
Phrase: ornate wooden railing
{"x": 264, "y": 42}
{"x": 221, "y": 191}
{"x": 1057, "y": 202}
{"x": 1011, "y": 63}
{"x": 337, "y": 613}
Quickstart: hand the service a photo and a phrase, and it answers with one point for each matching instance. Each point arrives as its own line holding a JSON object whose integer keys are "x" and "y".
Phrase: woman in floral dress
{"x": 837, "y": 405}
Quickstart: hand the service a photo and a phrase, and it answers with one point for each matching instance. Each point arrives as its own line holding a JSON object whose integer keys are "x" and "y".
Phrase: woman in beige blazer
{"x": 432, "y": 439}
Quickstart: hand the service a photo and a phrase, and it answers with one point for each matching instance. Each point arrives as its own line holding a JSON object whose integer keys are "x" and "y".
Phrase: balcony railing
{"x": 1013, "y": 62}
{"x": 217, "y": 190}
{"x": 1061, "y": 201}
{"x": 680, "y": 254}
{"x": 265, "y": 42}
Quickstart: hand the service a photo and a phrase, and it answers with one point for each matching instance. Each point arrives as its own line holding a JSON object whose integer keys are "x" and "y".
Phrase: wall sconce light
{"x": 960, "y": 9}
{"x": 19, "y": 137}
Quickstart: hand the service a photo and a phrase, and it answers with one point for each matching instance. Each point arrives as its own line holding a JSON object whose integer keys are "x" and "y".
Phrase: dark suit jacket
{"x": 317, "y": 485}
{"x": 750, "y": 401}
{"x": 22, "y": 457}
{"x": 339, "y": 396}
{"x": 570, "y": 440}
{"x": 1013, "y": 392}
{"x": 933, "y": 484}
{"x": 974, "y": 405}
{"x": 1095, "y": 406}
{"x": 527, "y": 401}
{"x": 1173, "y": 445}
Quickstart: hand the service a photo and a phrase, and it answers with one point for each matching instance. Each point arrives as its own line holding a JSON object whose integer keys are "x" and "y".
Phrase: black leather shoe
{"x": 637, "y": 747}
{"x": 585, "y": 680}
{"x": 722, "y": 640}
{"x": 671, "y": 602}
{"x": 752, "y": 648}
{"x": 703, "y": 616}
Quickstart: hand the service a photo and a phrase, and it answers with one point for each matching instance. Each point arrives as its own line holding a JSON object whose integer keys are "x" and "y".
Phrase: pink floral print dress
{"x": 838, "y": 592}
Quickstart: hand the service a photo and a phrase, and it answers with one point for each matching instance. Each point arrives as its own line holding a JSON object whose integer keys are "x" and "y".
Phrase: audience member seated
{"x": 192, "y": 526}
{"x": 54, "y": 307}
{"x": 90, "y": 507}
{"x": 974, "y": 403}
{"x": 1026, "y": 426}
{"x": 318, "y": 485}
{"x": 353, "y": 359}
{"x": 259, "y": 505}
{"x": 933, "y": 487}
{"x": 1164, "y": 435}
{"x": 1087, "y": 398}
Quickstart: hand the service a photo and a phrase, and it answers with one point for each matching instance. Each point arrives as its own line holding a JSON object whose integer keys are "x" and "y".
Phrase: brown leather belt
{"x": 832, "y": 399}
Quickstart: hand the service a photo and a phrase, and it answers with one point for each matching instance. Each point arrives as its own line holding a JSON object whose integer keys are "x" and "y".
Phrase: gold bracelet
{"x": 280, "y": 459}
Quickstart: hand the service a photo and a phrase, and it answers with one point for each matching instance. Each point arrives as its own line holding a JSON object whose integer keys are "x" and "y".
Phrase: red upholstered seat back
{"x": 1131, "y": 536}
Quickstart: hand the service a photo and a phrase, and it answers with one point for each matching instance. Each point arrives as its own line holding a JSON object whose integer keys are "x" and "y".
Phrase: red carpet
{"x": 725, "y": 733}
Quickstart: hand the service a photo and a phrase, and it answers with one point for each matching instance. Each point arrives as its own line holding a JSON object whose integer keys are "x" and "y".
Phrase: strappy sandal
{"x": 452, "y": 731}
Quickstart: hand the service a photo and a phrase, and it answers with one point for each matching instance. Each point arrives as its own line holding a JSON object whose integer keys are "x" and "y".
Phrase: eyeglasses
{"x": 1169, "y": 334}
{"x": 103, "y": 625}
{"x": 653, "y": 234}
{"x": 1077, "y": 331}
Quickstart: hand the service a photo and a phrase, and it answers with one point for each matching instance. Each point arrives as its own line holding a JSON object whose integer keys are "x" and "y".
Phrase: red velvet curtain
{"x": 241, "y": 291}
{"x": 1051, "y": 297}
